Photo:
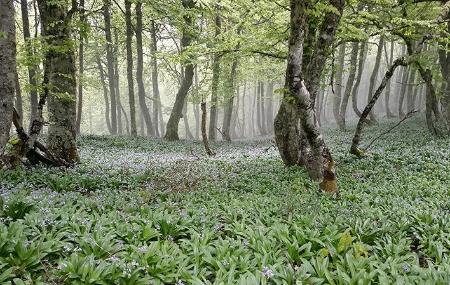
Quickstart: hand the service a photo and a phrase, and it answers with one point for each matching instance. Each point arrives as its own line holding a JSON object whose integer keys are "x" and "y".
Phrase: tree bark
{"x": 62, "y": 83}
{"x": 80, "y": 70}
{"x": 373, "y": 77}
{"x": 410, "y": 101}
{"x": 228, "y": 112}
{"x": 187, "y": 128}
{"x": 215, "y": 85}
{"x": 337, "y": 98}
{"x": 105, "y": 92}
{"x": 140, "y": 71}
{"x": 204, "y": 135}
{"x": 130, "y": 79}
{"x": 18, "y": 102}
{"x": 186, "y": 39}
{"x": 359, "y": 128}
{"x": 110, "y": 64}
{"x": 31, "y": 66}
{"x": 269, "y": 113}
{"x": 7, "y": 70}
{"x": 362, "y": 60}
{"x": 157, "y": 112}
{"x": 117, "y": 83}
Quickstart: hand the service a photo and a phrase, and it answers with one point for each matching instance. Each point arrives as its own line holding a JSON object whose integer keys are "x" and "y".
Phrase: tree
{"x": 337, "y": 98}
{"x": 130, "y": 79}
{"x": 373, "y": 77}
{"x": 188, "y": 73}
{"x": 349, "y": 85}
{"x": 215, "y": 82}
{"x": 7, "y": 70}
{"x": 61, "y": 87}
{"x": 157, "y": 110}
{"x": 140, "y": 70}
{"x": 80, "y": 69}
{"x": 362, "y": 60}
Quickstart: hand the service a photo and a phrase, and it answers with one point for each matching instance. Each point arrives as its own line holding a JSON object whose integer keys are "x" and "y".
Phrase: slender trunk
{"x": 228, "y": 112}
{"x": 117, "y": 82}
{"x": 258, "y": 108}
{"x": 130, "y": 67}
{"x": 263, "y": 109}
{"x": 338, "y": 86}
{"x": 7, "y": 70}
{"x": 105, "y": 93}
{"x": 31, "y": 67}
{"x": 187, "y": 128}
{"x": 157, "y": 115}
{"x": 110, "y": 64}
{"x": 235, "y": 116}
{"x": 269, "y": 115}
{"x": 204, "y": 135}
{"x": 140, "y": 71}
{"x": 359, "y": 128}
{"x": 410, "y": 101}
{"x": 186, "y": 39}
{"x": 127, "y": 122}
{"x": 215, "y": 84}
{"x": 56, "y": 25}
{"x": 196, "y": 107}
{"x": 349, "y": 85}
{"x": 444, "y": 60}
{"x": 362, "y": 60}
{"x": 243, "y": 110}
{"x": 80, "y": 70}
{"x": 389, "y": 114}
{"x": 18, "y": 102}
{"x": 373, "y": 77}
{"x": 404, "y": 86}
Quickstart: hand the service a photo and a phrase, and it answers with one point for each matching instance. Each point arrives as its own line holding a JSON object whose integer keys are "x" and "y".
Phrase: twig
{"x": 407, "y": 116}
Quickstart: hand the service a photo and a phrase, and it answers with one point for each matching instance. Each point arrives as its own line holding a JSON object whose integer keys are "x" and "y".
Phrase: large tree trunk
{"x": 362, "y": 120}
{"x": 215, "y": 85}
{"x": 31, "y": 66}
{"x": 362, "y": 60}
{"x": 349, "y": 85}
{"x": 61, "y": 64}
{"x": 228, "y": 112}
{"x": 321, "y": 165}
{"x": 338, "y": 86}
{"x": 130, "y": 68}
{"x": 373, "y": 77}
{"x": 7, "y": 70}
{"x": 110, "y": 64}
{"x": 186, "y": 39}
{"x": 157, "y": 112}
{"x": 80, "y": 70}
{"x": 389, "y": 114}
{"x": 140, "y": 70}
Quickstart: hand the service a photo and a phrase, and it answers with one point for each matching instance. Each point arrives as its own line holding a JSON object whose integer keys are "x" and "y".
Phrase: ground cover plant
{"x": 140, "y": 211}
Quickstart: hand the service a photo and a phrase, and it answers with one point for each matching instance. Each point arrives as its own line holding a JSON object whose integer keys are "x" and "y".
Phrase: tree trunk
{"x": 228, "y": 112}
{"x": 155, "y": 84}
{"x": 110, "y": 64}
{"x": 140, "y": 70}
{"x": 105, "y": 92}
{"x": 235, "y": 116}
{"x": 60, "y": 61}
{"x": 186, "y": 39}
{"x": 404, "y": 82}
{"x": 362, "y": 60}
{"x": 130, "y": 67}
{"x": 389, "y": 114}
{"x": 359, "y": 128}
{"x": 18, "y": 102}
{"x": 215, "y": 85}
{"x": 187, "y": 128}
{"x": 31, "y": 66}
{"x": 204, "y": 135}
{"x": 262, "y": 107}
{"x": 80, "y": 70}
{"x": 196, "y": 107}
{"x": 349, "y": 85}
{"x": 7, "y": 70}
{"x": 337, "y": 99}
{"x": 410, "y": 101}
{"x": 269, "y": 116}
{"x": 117, "y": 82}
{"x": 244, "y": 123}
{"x": 444, "y": 60}
{"x": 373, "y": 77}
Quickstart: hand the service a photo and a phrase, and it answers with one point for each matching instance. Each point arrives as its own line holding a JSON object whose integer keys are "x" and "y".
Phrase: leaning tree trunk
{"x": 349, "y": 85}
{"x": 56, "y": 25}
{"x": 140, "y": 71}
{"x": 373, "y": 77}
{"x": 7, "y": 70}
{"x": 130, "y": 68}
{"x": 31, "y": 67}
{"x": 186, "y": 83}
{"x": 359, "y": 128}
{"x": 110, "y": 64}
{"x": 214, "y": 85}
{"x": 362, "y": 60}
{"x": 338, "y": 87}
{"x": 80, "y": 70}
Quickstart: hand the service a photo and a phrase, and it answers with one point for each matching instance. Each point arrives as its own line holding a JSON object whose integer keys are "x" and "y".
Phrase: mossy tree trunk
{"x": 60, "y": 65}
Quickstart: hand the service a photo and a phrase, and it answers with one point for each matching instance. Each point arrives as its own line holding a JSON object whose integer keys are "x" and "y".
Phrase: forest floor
{"x": 140, "y": 211}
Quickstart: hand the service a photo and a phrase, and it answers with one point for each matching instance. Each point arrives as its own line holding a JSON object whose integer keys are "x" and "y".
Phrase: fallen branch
{"x": 407, "y": 116}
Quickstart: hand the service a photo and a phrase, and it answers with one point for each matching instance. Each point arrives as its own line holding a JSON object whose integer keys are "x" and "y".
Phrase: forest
{"x": 224, "y": 142}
